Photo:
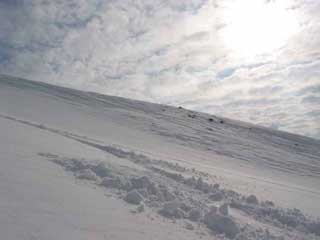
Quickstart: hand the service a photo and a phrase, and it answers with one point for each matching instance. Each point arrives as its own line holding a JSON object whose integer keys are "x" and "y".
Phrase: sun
{"x": 255, "y": 27}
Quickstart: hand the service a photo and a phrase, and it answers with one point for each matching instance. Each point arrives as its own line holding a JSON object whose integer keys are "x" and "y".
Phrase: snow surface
{"x": 186, "y": 157}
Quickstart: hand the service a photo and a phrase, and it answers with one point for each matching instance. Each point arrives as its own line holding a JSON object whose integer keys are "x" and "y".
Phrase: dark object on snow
{"x": 180, "y": 107}
{"x": 221, "y": 121}
{"x": 210, "y": 119}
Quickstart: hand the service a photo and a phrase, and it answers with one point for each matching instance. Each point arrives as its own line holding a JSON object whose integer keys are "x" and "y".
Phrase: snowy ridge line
{"x": 75, "y": 96}
{"x": 118, "y": 151}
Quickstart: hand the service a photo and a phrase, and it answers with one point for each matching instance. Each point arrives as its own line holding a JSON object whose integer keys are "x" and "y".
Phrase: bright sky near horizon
{"x": 252, "y": 60}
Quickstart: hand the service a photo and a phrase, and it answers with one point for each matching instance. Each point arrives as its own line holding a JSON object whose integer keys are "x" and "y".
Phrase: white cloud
{"x": 167, "y": 51}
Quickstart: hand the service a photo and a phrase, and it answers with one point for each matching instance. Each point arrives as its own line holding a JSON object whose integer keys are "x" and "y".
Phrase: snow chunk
{"x": 143, "y": 192}
{"x": 133, "y": 197}
{"x": 217, "y": 196}
{"x": 87, "y": 174}
{"x": 189, "y": 226}
{"x": 141, "y": 182}
{"x": 144, "y": 183}
{"x": 140, "y": 208}
{"x": 172, "y": 209}
{"x": 252, "y": 199}
{"x": 314, "y": 227}
{"x": 221, "y": 224}
{"x": 216, "y": 186}
{"x": 167, "y": 195}
{"x": 101, "y": 170}
{"x": 224, "y": 209}
{"x": 118, "y": 182}
{"x": 195, "y": 214}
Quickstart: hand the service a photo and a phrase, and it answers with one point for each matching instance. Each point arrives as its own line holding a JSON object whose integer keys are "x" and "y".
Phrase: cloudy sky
{"x": 253, "y": 60}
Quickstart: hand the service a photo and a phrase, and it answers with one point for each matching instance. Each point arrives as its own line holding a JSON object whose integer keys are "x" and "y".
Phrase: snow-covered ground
{"x": 78, "y": 165}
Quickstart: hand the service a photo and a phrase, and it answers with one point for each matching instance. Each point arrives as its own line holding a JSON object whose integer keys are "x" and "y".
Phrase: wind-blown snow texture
{"x": 80, "y": 165}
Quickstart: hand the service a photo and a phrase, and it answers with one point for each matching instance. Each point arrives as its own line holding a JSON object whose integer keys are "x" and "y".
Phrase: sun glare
{"x": 257, "y": 27}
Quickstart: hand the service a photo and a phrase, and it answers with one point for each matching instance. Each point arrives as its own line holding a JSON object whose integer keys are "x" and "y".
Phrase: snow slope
{"x": 47, "y": 132}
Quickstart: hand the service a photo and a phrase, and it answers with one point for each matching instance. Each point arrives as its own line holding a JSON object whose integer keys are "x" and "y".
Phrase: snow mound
{"x": 101, "y": 170}
{"x": 87, "y": 174}
{"x": 221, "y": 224}
{"x": 133, "y": 197}
{"x": 172, "y": 209}
{"x": 224, "y": 209}
{"x": 191, "y": 198}
{"x": 195, "y": 214}
{"x": 252, "y": 199}
{"x": 116, "y": 182}
{"x": 216, "y": 196}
